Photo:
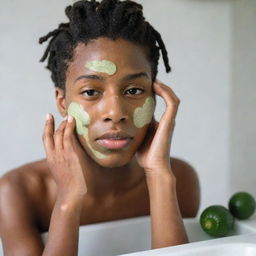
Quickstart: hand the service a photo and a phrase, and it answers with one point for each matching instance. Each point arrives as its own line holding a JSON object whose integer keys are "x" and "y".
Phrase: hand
{"x": 65, "y": 157}
{"x": 154, "y": 153}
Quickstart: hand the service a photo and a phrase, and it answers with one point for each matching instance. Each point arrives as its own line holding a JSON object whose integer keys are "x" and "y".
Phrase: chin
{"x": 114, "y": 161}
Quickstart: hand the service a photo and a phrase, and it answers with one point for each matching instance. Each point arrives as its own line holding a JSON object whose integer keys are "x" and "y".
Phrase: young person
{"x": 109, "y": 158}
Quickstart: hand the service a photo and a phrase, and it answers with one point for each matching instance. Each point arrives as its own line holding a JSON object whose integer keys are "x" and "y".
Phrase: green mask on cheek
{"x": 82, "y": 121}
{"x": 143, "y": 115}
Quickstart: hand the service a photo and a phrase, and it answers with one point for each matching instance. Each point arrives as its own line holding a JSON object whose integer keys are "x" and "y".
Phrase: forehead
{"x": 127, "y": 56}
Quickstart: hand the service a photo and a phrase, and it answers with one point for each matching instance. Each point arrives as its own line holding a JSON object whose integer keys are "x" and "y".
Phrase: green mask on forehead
{"x": 104, "y": 66}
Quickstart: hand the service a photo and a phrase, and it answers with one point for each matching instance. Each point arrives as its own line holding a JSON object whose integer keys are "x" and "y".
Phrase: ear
{"x": 60, "y": 101}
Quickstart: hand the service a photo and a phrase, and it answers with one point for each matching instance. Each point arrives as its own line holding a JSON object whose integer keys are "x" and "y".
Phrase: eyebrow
{"x": 125, "y": 78}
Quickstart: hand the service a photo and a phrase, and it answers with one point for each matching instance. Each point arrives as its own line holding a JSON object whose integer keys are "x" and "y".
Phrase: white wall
{"x": 198, "y": 36}
{"x": 243, "y": 95}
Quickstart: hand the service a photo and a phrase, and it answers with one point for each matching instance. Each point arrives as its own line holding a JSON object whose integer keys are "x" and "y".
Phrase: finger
{"x": 48, "y": 132}
{"x": 165, "y": 88}
{"x": 68, "y": 138}
{"x": 58, "y": 136}
{"x": 167, "y": 122}
{"x": 171, "y": 100}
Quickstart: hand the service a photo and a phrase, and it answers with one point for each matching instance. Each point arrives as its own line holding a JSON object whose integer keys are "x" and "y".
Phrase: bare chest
{"x": 131, "y": 205}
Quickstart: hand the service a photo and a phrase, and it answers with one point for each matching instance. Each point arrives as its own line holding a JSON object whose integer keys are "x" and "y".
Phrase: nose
{"x": 113, "y": 109}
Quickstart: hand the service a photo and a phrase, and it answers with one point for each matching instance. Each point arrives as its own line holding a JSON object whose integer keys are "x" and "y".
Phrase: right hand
{"x": 65, "y": 157}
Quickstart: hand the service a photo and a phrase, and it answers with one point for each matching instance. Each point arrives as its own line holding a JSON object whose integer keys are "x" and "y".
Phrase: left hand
{"x": 154, "y": 153}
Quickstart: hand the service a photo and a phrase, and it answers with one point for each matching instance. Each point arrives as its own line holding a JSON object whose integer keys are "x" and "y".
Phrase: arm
{"x": 166, "y": 221}
{"x": 64, "y": 226}
{"x": 67, "y": 163}
{"x": 167, "y": 227}
{"x": 18, "y": 230}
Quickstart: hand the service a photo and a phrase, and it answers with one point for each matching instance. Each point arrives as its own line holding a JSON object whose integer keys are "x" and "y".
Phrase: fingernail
{"x": 48, "y": 116}
{"x": 65, "y": 118}
{"x": 70, "y": 119}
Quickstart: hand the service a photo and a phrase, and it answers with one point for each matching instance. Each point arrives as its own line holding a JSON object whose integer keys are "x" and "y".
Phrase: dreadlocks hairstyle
{"x": 90, "y": 20}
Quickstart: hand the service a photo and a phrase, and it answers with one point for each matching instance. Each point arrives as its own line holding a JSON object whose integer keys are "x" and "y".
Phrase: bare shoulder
{"x": 27, "y": 176}
{"x": 188, "y": 186}
{"x": 19, "y": 189}
{"x": 28, "y": 179}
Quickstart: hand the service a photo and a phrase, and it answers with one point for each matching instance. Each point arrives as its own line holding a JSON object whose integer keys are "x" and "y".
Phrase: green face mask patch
{"x": 82, "y": 121}
{"x": 143, "y": 115}
{"x": 104, "y": 66}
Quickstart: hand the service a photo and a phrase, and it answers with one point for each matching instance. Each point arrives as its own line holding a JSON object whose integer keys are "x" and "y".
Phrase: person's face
{"x": 103, "y": 101}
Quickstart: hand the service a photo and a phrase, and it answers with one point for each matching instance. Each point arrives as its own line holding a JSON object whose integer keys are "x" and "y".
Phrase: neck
{"x": 103, "y": 182}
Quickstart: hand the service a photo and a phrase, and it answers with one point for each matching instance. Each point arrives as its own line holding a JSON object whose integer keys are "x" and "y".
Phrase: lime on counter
{"x": 216, "y": 220}
{"x": 242, "y": 205}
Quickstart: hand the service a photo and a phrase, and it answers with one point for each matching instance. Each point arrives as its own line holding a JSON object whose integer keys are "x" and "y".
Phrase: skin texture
{"x": 110, "y": 107}
{"x": 104, "y": 66}
{"x": 129, "y": 103}
{"x": 141, "y": 117}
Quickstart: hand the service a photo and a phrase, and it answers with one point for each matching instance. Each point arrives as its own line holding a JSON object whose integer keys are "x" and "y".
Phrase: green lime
{"x": 216, "y": 220}
{"x": 242, "y": 205}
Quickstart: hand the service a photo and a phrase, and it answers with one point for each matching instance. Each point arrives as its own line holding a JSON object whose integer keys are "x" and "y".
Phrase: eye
{"x": 133, "y": 90}
{"x": 90, "y": 92}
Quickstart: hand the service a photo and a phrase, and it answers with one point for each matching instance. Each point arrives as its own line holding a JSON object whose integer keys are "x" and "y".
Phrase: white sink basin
{"x": 133, "y": 237}
{"x": 229, "y": 249}
{"x": 241, "y": 245}
{"x": 240, "y": 242}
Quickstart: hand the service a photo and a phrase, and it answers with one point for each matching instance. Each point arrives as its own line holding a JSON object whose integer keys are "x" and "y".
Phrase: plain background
{"x": 212, "y": 51}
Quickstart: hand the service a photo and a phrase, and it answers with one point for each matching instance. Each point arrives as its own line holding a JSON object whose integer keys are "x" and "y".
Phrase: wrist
{"x": 69, "y": 201}
{"x": 162, "y": 173}
{"x": 71, "y": 190}
{"x": 164, "y": 179}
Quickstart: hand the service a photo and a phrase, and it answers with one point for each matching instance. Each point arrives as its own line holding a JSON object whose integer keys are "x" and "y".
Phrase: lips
{"x": 114, "y": 143}
{"x": 115, "y": 135}
{"x": 114, "y": 139}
